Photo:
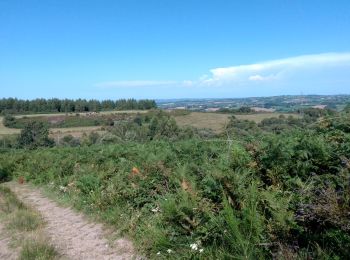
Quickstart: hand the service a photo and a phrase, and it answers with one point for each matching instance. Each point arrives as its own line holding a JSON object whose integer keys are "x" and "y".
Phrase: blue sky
{"x": 173, "y": 48}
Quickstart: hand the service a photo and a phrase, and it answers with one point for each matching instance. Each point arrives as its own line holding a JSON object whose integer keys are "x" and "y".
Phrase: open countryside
{"x": 192, "y": 130}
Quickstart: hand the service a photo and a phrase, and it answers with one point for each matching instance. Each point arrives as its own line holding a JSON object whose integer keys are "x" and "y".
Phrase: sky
{"x": 163, "y": 49}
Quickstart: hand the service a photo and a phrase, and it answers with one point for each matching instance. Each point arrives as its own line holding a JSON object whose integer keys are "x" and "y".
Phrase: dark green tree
{"x": 9, "y": 121}
{"x": 34, "y": 135}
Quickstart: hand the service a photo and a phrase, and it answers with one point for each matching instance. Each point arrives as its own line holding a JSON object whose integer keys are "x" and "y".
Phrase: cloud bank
{"x": 298, "y": 70}
{"x": 275, "y": 70}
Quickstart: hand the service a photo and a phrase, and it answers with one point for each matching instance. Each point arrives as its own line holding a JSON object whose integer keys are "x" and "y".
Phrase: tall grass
{"x": 24, "y": 225}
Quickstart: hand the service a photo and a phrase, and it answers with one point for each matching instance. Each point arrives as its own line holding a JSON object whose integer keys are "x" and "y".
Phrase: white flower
{"x": 201, "y": 250}
{"x": 169, "y": 251}
{"x": 63, "y": 189}
{"x": 155, "y": 210}
{"x": 194, "y": 246}
{"x": 158, "y": 253}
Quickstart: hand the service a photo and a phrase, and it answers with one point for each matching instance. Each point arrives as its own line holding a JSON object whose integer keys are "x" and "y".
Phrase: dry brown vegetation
{"x": 213, "y": 121}
{"x": 54, "y": 132}
{"x": 217, "y": 122}
{"x": 74, "y": 131}
{"x": 7, "y": 131}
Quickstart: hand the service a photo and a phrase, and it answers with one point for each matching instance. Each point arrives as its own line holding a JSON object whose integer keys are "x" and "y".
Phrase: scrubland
{"x": 275, "y": 189}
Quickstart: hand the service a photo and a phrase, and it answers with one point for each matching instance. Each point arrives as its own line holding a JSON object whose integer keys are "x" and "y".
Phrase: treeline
{"x": 40, "y": 105}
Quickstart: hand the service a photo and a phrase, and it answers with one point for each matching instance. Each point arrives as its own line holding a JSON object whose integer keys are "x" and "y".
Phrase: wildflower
{"x": 155, "y": 210}
{"x": 201, "y": 250}
{"x": 135, "y": 171}
{"x": 169, "y": 251}
{"x": 63, "y": 189}
{"x": 158, "y": 253}
{"x": 194, "y": 246}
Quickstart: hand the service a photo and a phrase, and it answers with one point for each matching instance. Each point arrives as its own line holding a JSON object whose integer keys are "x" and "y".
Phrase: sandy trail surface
{"x": 73, "y": 235}
{"x": 5, "y": 251}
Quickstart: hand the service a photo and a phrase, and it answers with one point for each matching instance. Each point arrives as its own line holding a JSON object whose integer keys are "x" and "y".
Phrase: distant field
{"x": 54, "y": 132}
{"x": 217, "y": 122}
{"x": 259, "y": 117}
{"x": 214, "y": 121}
{"x": 7, "y": 131}
{"x": 77, "y": 132}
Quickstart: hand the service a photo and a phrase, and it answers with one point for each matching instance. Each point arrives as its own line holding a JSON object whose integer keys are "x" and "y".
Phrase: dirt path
{"x": 5, "y": 251}
{"x": 74, "y": 236}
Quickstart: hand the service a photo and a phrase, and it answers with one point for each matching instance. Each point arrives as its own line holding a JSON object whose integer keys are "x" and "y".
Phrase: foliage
{"x": 9, "y": 121}
{"x": 155, "y": 125}
{"x": 5, "y": 174}
{"x": 69, "y": 140}
{"x": 25, "y": 227}
{"x": 14, "y": 105}
{"x": 9, "y": 203}
{"x": 257, "y": 195}
{"x": 64, "y": 121}
{"x": 315, "y": 112}
{"x": 38, "y": 250}
{"x": 24, "y": 220}
{"x": 241, "y": 110}
{"x": 34, "y": 135}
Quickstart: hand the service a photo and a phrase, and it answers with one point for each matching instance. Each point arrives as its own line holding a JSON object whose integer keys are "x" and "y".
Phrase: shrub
{"x": 5, "y": 175}
{"x": 34, "y": 135}
{"x": 9, "y": 121}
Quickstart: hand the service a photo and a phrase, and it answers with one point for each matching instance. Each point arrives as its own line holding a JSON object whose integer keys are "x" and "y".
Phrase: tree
{"x": 34, "y": 135}
{"x": 9, "y": 121}
{"x": 15, "y": 106}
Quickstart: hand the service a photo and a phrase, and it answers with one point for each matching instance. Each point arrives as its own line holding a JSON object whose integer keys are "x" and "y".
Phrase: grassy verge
{"x": 25, "y": 228}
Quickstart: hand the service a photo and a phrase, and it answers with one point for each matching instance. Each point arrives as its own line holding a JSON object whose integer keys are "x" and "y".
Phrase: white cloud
{"x": 257, "y": 78}
{"x": 264, "y": 73}
{"x": 276, "y": 69}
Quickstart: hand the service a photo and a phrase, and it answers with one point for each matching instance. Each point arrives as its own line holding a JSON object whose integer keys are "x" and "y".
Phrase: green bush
{"x": 4, "y": 174}
{"x": 34, "y": 135}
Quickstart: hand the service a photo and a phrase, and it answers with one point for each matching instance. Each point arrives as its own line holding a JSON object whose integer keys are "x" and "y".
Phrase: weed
{"x": 24, "y": 220}
{"x": 37, "y": 250}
